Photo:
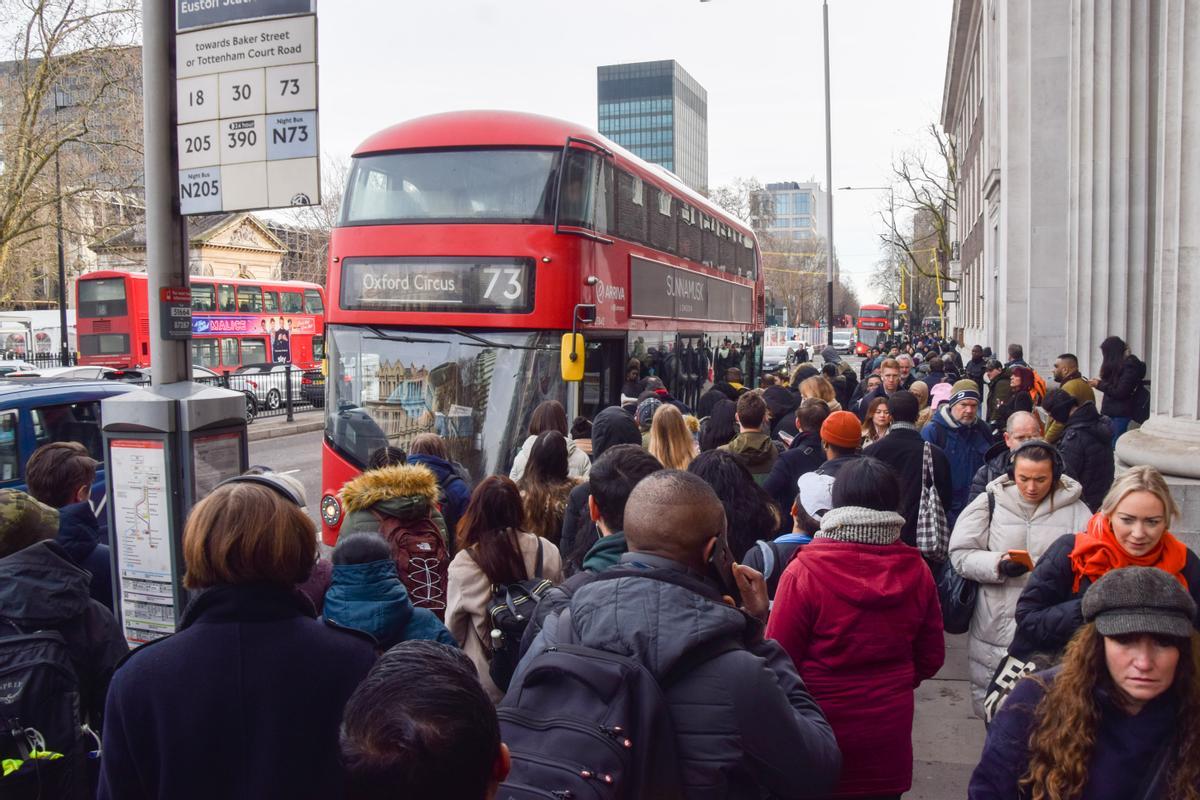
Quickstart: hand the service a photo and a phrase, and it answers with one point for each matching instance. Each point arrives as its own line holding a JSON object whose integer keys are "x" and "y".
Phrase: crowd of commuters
{"x": 739, "y": 602}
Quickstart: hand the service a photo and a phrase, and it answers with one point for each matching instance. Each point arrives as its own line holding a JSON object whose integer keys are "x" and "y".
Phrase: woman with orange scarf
{"x": 1129, "y": 530}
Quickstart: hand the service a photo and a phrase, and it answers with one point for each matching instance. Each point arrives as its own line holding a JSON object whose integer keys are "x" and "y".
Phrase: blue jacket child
{"x": 366, "y": 595}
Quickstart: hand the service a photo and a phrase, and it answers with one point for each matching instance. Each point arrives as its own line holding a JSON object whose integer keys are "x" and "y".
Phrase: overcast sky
{"x": 384, "y": 61}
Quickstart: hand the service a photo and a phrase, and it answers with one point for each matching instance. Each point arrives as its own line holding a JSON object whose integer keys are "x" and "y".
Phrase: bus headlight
{"x": 331, "y": 510}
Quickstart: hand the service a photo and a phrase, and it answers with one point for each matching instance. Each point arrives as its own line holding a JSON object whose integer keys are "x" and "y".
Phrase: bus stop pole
{"x": 166, "y": 244}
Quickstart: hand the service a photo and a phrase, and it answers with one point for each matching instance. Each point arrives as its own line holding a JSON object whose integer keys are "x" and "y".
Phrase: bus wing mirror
{"x": 572, "y": 357}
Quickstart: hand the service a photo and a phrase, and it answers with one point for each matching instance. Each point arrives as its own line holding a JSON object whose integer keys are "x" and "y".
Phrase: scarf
{"x": 861, "y": 525}
{"x": 1097, "y": 552}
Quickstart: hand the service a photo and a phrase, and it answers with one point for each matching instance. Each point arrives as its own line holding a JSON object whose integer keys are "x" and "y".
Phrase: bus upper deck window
{"x": 249, "y": 299}
{"x": 203, "y": 298}
{"x": 312, "y": 302}
{"x": 225, "y": 298}
{"x": 291, "y": 303}
{"x": 271, "y": 302}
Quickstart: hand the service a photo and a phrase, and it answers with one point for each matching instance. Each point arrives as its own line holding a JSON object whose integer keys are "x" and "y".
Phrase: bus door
{"x": 603, "y": 375}
{"x": 689, "y": 368}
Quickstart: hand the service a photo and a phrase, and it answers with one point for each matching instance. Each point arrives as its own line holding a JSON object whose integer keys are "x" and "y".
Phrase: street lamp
{"x": 828, "y": 185}
{"x": 892, "y": 241}
{"x": 60, "y": 102}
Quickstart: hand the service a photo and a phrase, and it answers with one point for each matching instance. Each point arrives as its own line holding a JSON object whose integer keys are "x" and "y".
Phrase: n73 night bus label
{"x": 445, "y": 284}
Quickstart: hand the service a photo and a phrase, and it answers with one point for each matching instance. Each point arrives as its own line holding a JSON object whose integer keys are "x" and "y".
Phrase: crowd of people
{"x": 734, "y": 601}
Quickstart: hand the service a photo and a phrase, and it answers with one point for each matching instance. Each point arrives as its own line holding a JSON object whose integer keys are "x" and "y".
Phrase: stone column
{"x": 1170, "y": 440}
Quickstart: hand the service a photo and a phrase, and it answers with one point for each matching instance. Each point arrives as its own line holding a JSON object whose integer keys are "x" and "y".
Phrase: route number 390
{"x": 510, "y": 290}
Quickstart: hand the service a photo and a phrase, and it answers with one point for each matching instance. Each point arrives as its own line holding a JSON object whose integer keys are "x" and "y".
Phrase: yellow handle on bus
{"x": 571, "y": 357}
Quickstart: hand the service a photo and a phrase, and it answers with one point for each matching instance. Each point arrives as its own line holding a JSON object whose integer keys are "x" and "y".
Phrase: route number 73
{"x": 512, "y": 287}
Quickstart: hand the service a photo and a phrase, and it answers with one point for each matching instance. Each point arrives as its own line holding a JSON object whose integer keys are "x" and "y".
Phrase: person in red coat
{"x": 858, "y": 612}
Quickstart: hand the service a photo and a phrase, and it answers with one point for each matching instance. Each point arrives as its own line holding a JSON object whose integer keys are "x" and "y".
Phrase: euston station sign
{"x": 202, "y": 13}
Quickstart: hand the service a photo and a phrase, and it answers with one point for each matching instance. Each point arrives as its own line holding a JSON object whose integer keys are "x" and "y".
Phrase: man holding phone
{"x": 744, "y": 723}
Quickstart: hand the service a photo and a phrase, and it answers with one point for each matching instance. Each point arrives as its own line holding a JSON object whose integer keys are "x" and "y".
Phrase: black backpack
{"x": 40, "y": 702}
{"x": 509, "y": 612}
{"x": 586, "y": 723}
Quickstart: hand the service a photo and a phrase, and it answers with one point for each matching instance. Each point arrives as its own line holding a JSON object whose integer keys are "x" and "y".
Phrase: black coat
{"x": 1086, "y": 448}
{"x": 1049, "y": 612}
{"x": 904, "y": 451}
{"x": 1120, "y": 389}
{"x": 805, "y": 455}
{"x": 1125, "y": 746}
{"x": 1021, "y": 401}
{"x": 243, "y": 702}
{"x": 79, "y": 534}
{"x": 577, "y": 526}
{"x": 43, "y": 589}
{"x": 995, "y": 465}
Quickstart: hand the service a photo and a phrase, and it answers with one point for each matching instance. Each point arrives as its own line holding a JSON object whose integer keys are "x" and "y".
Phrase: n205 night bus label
{"x": 660, "y": 290}
{"x": 444, "y": 284}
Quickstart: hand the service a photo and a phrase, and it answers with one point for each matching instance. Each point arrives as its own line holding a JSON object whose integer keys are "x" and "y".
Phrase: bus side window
{"x": 202, "y": 297}
{"x": 271, "y": 302}
{"x": 254, "y": 351}
{"x": 312, "y": 302}
{"x": 291, "y": 303}
{"x": 229, "y": 351}
{"x": 249, "y": 299}
{"x": 204, "y": 353}
{"x": 225, "y": 298}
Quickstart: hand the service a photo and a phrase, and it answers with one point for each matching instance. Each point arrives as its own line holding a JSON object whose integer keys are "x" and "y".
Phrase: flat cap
{"x": 1140, "y": 600}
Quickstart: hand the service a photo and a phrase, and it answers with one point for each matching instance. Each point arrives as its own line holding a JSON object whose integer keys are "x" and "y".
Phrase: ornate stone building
{"x": 1078, "y": 126}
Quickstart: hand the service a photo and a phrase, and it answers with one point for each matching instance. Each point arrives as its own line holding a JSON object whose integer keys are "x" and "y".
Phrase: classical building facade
{"x": 234, "y": 245}
{"x": 1078, "y": 133}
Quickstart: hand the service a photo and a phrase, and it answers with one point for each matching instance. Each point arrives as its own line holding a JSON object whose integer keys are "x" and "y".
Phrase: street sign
{"x": 246, "y": 107}
{"x": 176, "y": 314}
{"x": 903, "y": 306}
{"x": 203, "y": 13}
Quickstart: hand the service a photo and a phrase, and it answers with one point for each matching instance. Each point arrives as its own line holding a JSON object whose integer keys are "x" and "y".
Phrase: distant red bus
{"x": 468, "y": 244}
{"x": 873, "y": 320}
{"x": 234, "y": 321}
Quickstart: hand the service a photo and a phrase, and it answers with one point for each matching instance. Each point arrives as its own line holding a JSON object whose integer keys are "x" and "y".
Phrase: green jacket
{"x": 756, "y": 452}
{"x": 1083, "y": 392}
{"x": 998, "y": 392}
{"x": 606, "y": 552}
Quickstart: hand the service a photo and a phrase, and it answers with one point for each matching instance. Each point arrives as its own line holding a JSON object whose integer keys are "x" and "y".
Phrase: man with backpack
{"x": 58, "y": 647}
{"x": 656, "y": 683}
{"x": 400, "y": 504}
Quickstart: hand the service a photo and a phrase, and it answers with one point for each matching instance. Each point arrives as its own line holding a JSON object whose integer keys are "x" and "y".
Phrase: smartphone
{"x": 720, "y": 566}
{"x": 1021, "y": 557}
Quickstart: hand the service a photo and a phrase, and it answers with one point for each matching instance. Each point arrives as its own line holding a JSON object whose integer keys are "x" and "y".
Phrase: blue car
{"x": 36, "y": 411}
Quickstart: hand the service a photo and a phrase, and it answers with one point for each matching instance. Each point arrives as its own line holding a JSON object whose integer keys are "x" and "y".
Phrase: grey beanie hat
{"x": 1140, "y": 600}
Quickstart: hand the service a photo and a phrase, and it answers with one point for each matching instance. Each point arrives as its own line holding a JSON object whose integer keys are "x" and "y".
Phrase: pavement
{"x": 274, "y": 427}
{"x": 947, "y": 737}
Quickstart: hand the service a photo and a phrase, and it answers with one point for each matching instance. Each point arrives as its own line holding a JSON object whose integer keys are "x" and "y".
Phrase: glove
{"x": 1012, "y": 569}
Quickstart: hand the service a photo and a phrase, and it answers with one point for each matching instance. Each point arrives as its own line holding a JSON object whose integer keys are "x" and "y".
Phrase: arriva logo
{"x": 606, "y": 292}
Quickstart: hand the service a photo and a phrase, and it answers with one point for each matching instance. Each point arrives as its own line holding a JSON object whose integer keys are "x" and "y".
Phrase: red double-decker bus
{"x": 470, "y": 242}
{"x": 234, "y": 321}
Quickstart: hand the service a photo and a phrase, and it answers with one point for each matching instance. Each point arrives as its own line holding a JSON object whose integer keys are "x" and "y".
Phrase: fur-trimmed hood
{"x": 412, "y": 483}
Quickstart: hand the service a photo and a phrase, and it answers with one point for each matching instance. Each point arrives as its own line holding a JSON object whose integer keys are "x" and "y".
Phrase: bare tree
{"x": 928, "y": 180}
{"x": 919, "y": 286}
{"x": 749, "y": 201}
{"x": 70, "y": 97}
{"x": 306, "y": 229}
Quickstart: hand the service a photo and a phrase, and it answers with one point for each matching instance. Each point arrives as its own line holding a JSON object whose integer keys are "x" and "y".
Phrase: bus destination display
{"x": 503, "y": 285}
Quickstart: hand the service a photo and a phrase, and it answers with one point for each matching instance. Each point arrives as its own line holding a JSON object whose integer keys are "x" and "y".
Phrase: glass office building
{"x": 660, "y": 113}
{"x": 795, "y": 210}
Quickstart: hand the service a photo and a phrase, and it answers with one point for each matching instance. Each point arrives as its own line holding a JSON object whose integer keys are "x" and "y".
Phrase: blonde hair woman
{"x": 671, "y": 441}
{"x": 818, "y": 386}
{"x": 1130, "y": 529}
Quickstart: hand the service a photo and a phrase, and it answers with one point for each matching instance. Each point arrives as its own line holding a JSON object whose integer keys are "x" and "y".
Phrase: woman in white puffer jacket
{"x": 1026, "y": 509}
